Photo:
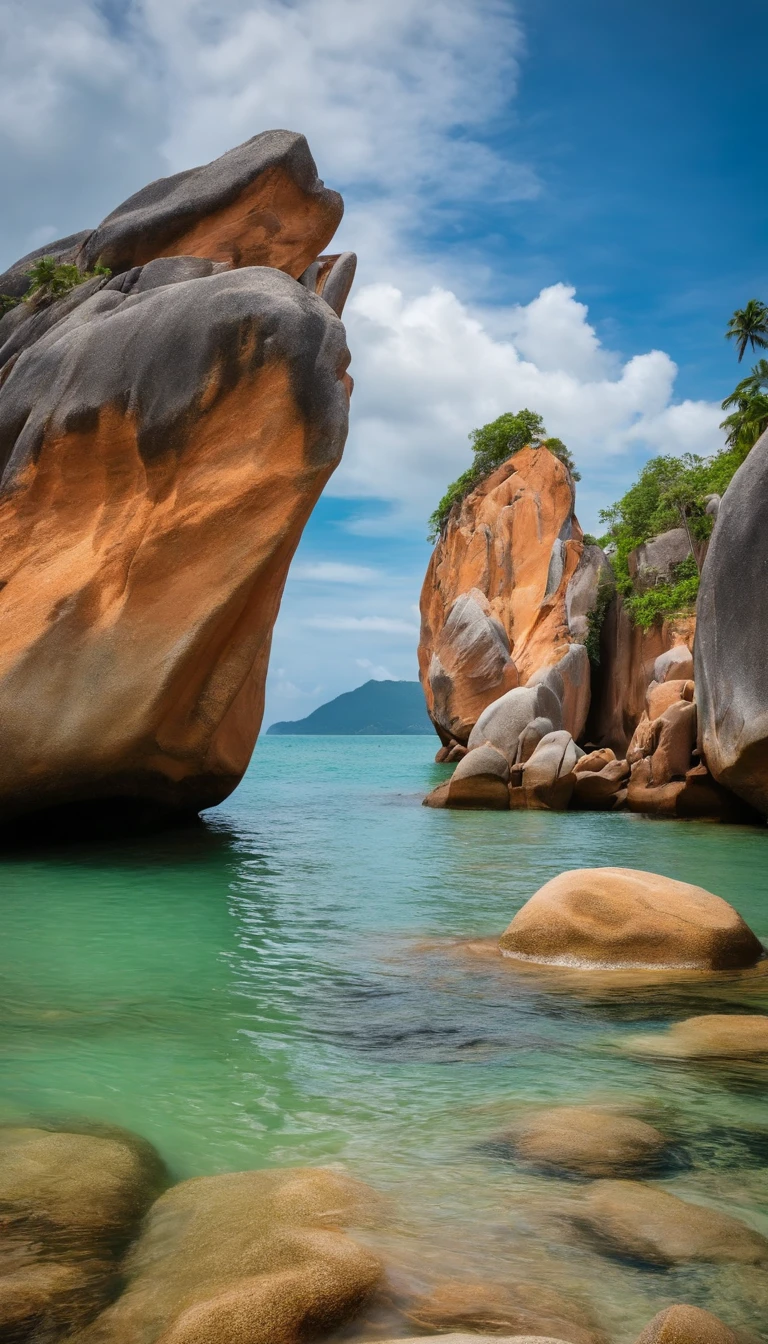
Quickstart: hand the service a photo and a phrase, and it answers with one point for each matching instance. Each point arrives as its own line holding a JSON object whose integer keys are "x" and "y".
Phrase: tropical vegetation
{"x": 493, "y": 444}
{"x": 749, "y": 326}
{"x": 50, "y": 279}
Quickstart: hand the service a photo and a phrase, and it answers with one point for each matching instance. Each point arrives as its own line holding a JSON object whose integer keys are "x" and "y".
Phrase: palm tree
{"x": 749, "y": 419}
{"x": 749, "y": 326}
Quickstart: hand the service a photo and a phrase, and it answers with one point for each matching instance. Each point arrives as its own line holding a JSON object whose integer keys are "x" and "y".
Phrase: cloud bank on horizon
{"x": 402, "y": 105}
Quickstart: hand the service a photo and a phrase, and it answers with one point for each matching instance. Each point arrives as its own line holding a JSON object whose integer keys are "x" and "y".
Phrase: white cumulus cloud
{"x": 333, "y": 571}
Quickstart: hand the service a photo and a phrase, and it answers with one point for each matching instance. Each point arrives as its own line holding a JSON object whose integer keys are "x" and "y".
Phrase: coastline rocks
{"x": 731, "y": 667}
{"x": 547, "y": 776}
{"x": 628, "y": 656}
{"x": 660, "y": 698}
{"x": 161, "y": 459}
{"x": 585, "y": 1141}
{"x": 710, "y": 1036}
{"x": 246, "y": 1258}
{"x": 498, "y": 1310}
{"x": 494, "y": 604}
{"x": 570, "y": 680}
{"x": 504, "y": 721}
{"x": 599, "y": 781}
{"x": 70, "y": 1204}
{"x": 627, "y": 1218}
{"x": 479, "y": 780}
{"x": 686, "y": 1325}
{"x": 622, "y": 917}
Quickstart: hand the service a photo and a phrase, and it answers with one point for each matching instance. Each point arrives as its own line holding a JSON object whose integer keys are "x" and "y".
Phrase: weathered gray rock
{"x": 471, "y": 657}
{"x": 503, "y": 721}
{"x": 261, "y": 204}
{"x": 730, "y": 653}
{"x": 655, "y": 560}
{"x": 15, "y": 281}
{"x": 594, "y": 578}
{"x": 676, "y": 664}
{"x": 569, "y": 679}
{"x": 548, "y": 777}
{"x": 479, "y": 780}
{"x": 530, "y": 738}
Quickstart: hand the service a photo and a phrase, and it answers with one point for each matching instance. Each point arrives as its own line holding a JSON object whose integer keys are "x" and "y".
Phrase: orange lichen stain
{"x": 271, "y": 223}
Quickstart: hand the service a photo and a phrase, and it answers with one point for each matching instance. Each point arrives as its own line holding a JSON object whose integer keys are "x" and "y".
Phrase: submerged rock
{"x": 246, "y": 1258}
{"x": 622, "y": 917}
{"x": 499, "y": 1310}
{"x": 627, "y": 1218}
{"x": 585, "y": 1141}
{"x": 711, "y": 1036}
{"x": 70, "y": 1204}
{"x": 686, "y": 1325}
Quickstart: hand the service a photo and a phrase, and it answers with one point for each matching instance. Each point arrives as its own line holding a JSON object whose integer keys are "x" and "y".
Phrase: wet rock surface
{"x": 710, "y": 1036}
{"x": 242, "y": 1258}
{"x": 586, "y": 1141}
{"x": 639, "y": 1222}
{"x": 616, "y": 917}
{"x": 686, "y": 1325}
{"x": 69, "y": 1206}
{"x": 498, "y": 1309}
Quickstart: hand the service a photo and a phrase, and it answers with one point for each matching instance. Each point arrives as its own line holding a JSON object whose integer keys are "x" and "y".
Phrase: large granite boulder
{"x": 508, "y": 591}
{"x": 655, "y": 561}
{"x": 481, "y": 779}
{"x": 620, "y": 917}
{"x": 162, "y": 452}
{"x": 245, "y": 1258}
{"x": 164, "y": 435}
{"x": 503, "y": 723}
{"x": 547, "y": 777}
{"x": 731, "y": 666}
{"x": 70, "y": 1204}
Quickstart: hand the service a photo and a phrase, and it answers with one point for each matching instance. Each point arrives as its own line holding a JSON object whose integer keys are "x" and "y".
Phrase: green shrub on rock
{"x": 52, "y": 279}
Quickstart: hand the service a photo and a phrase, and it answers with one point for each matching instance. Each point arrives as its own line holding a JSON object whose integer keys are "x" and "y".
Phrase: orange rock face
{"x": 628, "y": 657}
{"x": 494, "y": 601}
{"x": 162, "y": 448}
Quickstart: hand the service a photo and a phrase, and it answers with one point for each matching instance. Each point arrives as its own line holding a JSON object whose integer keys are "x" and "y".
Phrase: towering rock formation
{"x": 731, "y": 663}
{"x": 508, "y": 594}
{"x": 164, "y": 435}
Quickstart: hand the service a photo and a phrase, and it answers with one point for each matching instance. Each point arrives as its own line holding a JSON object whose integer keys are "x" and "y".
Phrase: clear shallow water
{"x": 279, "y": 988}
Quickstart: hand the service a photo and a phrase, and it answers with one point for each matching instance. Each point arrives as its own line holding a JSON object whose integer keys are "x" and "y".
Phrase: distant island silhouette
{"x": 377, "y": 708}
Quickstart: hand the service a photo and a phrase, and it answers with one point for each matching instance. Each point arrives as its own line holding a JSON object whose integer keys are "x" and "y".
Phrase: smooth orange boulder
{"x": 711, "y": 1036}
{"x": 621, "y": 917}
{"x": 162, "y": 453}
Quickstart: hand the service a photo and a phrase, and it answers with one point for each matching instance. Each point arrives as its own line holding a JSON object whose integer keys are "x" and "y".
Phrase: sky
{"x": 554, "y": 205}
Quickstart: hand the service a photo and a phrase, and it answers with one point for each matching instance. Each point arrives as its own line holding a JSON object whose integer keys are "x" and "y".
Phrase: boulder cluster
{"x": 166, "y": 427}
{"x": 543, "y": 693}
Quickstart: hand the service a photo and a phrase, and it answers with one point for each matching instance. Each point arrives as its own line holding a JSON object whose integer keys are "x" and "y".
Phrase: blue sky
{"x": 555, "y": 205}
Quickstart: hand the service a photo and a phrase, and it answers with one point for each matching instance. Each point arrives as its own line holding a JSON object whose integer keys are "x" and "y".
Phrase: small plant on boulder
{"x": 52, "y": 279}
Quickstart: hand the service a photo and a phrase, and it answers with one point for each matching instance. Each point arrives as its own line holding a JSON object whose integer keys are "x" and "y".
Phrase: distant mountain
{"x": 378, "y": 707}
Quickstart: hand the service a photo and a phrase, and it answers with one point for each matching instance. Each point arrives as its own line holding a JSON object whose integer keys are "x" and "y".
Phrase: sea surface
{"x": 289, "y": 985}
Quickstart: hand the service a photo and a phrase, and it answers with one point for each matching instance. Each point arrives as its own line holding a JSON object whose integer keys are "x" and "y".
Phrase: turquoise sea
{"x": 283, "y": 986}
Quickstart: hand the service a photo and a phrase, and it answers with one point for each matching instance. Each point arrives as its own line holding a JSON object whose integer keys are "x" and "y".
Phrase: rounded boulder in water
{"x": 686, "y": 1325}
{"x": 586, "y": 1141}
{"x": 622, "y": 918}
